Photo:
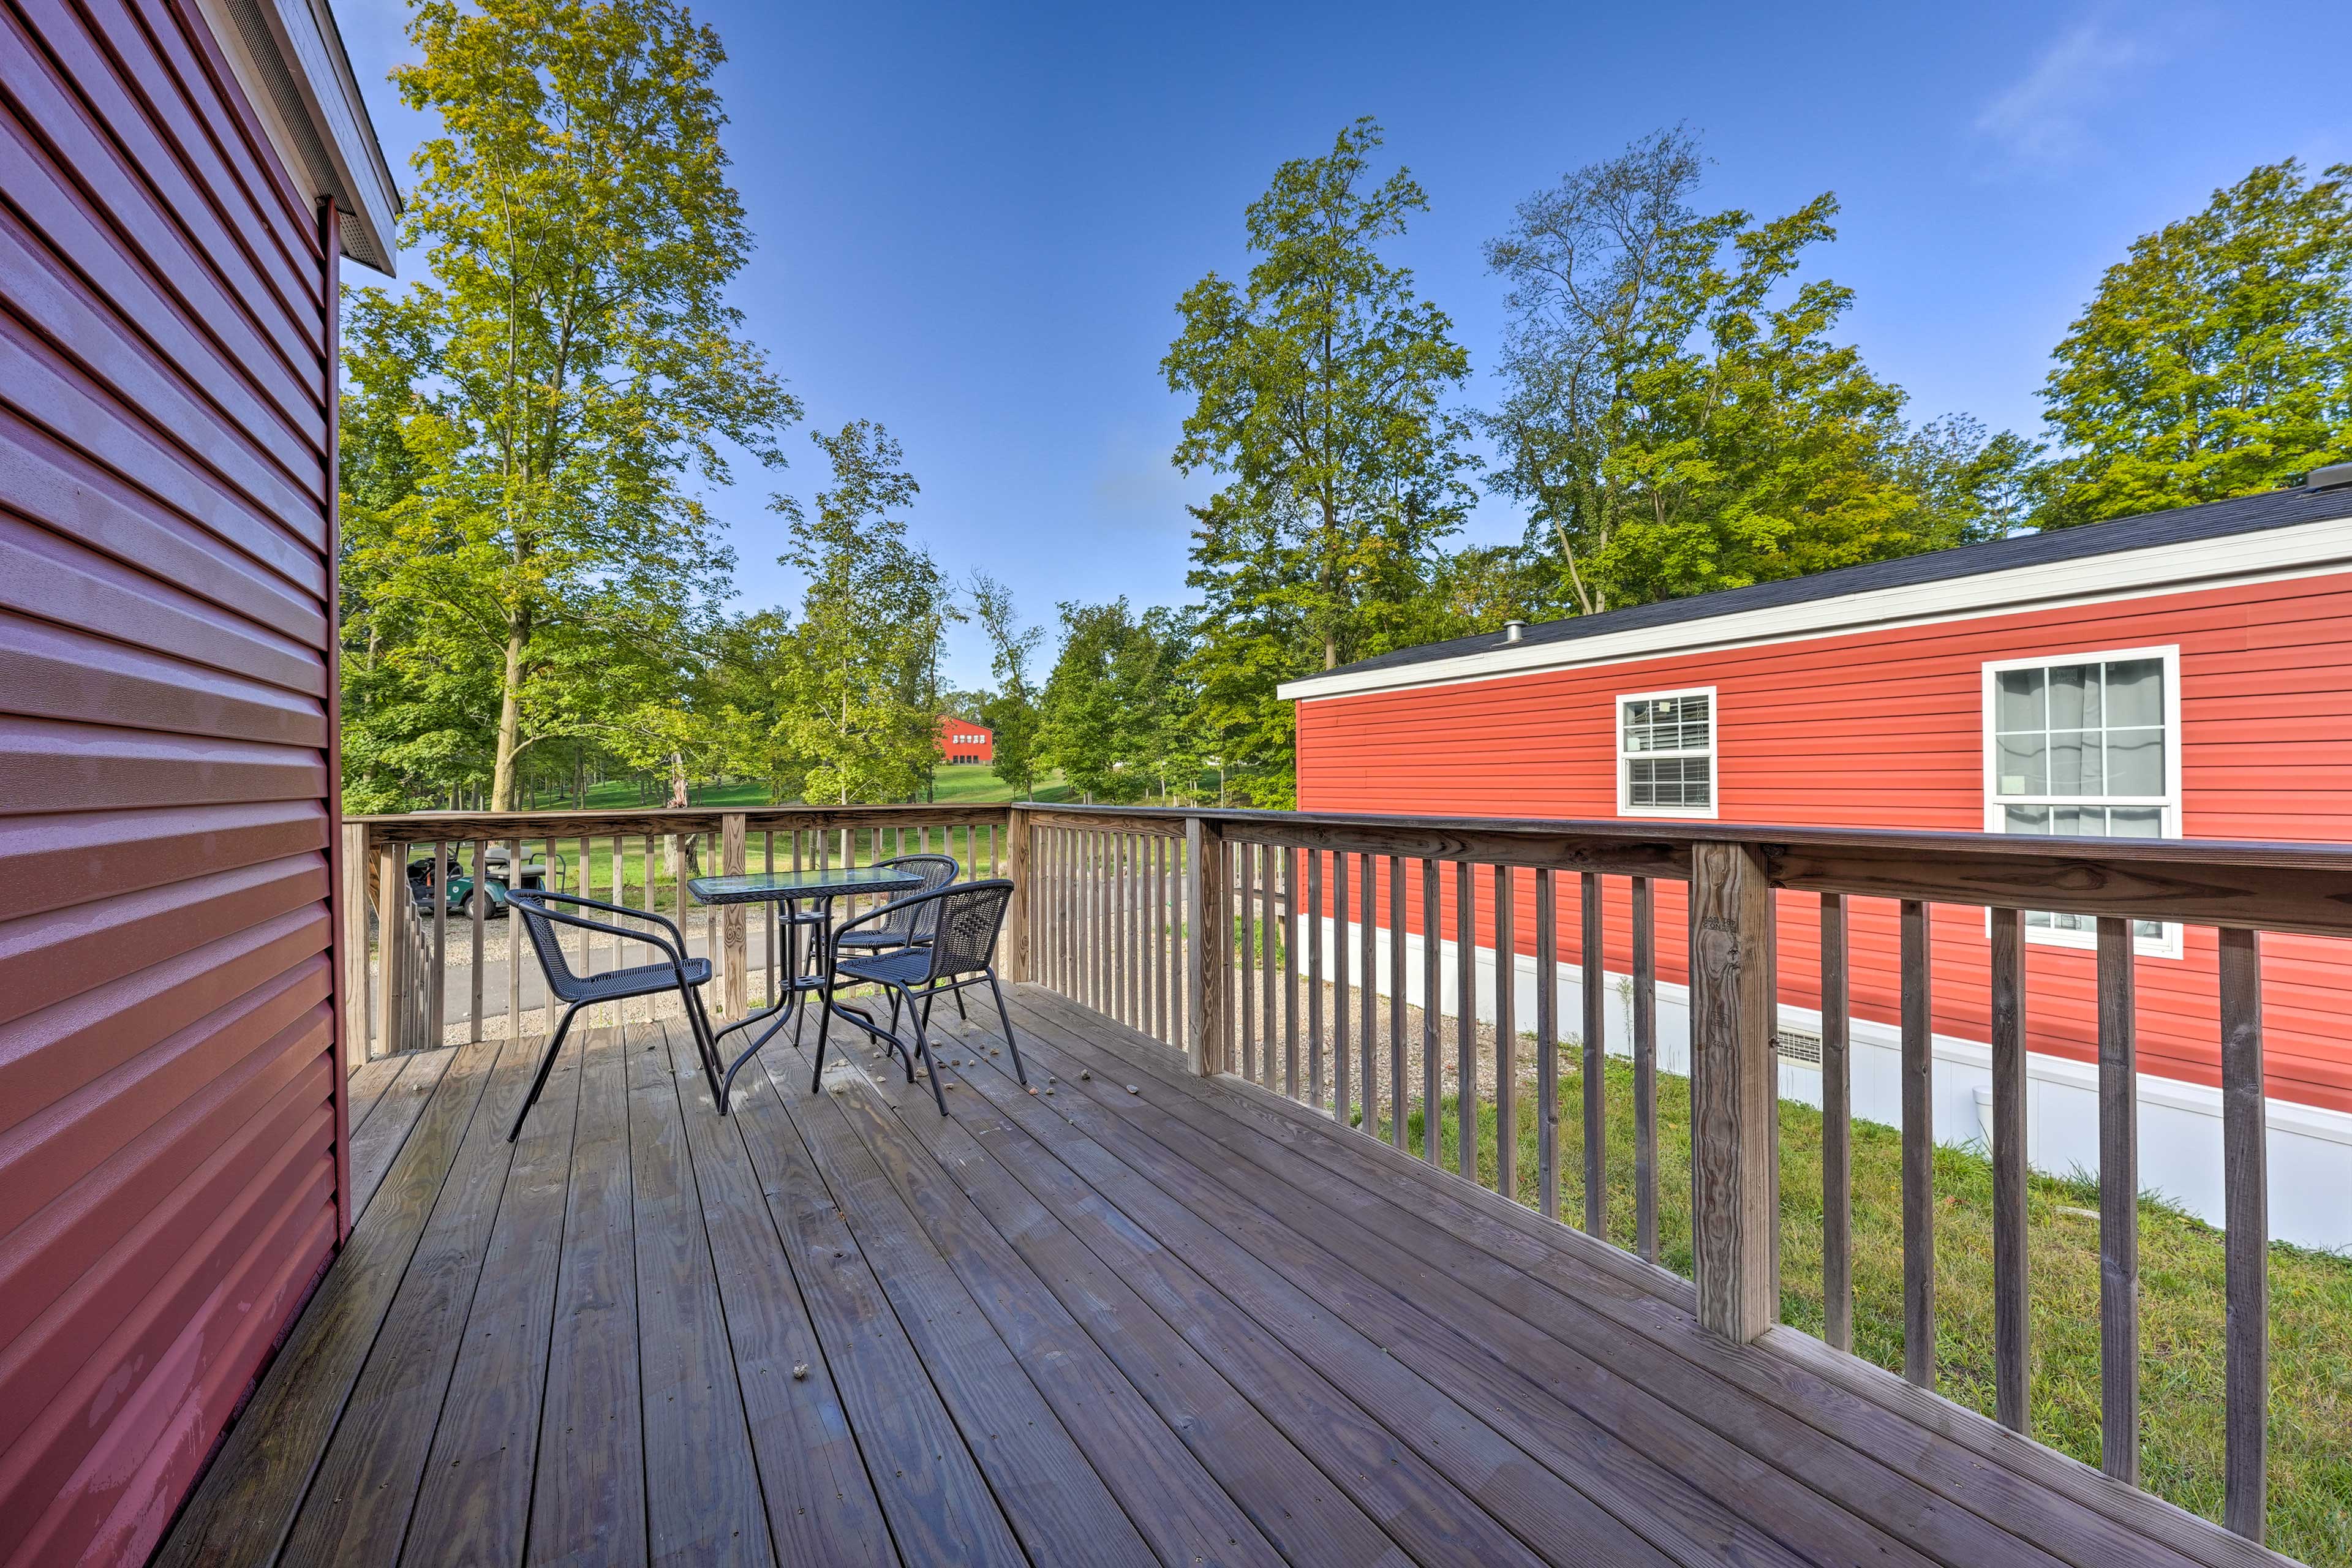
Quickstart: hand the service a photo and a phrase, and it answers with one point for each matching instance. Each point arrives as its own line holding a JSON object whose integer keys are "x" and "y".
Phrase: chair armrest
{"x": 676, "y": 950}
{"x": 659, "y": 918}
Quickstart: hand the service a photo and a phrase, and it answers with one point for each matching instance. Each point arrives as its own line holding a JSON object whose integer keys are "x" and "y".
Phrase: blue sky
{"x": 974, "y": 221}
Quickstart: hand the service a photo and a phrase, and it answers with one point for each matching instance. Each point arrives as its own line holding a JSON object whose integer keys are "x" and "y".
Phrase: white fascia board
{"x": 289, "y": 57}
{"x": 2303, "y": 550}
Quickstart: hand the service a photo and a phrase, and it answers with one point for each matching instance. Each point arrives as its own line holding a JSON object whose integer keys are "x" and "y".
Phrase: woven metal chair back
{"x": 914, "y": 925}
{"x": 969, "y": 919}
{"x": 562, "y": 979}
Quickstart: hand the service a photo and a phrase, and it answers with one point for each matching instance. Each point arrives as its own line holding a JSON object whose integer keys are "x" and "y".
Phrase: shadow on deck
{"x": 1186, "y": 1323}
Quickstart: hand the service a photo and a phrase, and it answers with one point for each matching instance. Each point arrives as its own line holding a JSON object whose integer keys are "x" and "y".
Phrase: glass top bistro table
{"x": 819, "y": 887}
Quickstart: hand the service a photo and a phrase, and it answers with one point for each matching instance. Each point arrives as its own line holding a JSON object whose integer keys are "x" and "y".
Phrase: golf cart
{"x": 497, "y": 877}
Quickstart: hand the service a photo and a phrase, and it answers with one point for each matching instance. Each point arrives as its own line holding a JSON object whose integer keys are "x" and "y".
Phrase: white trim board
{"x": 289, "y": 57}
{"x": 2277, "y": 555}
{"x": 2310, "y": 1148}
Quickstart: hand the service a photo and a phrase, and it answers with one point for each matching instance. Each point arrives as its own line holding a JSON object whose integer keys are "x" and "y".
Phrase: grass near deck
{"x": 2182, "y": 1299}
{"x": 963, "y": 785}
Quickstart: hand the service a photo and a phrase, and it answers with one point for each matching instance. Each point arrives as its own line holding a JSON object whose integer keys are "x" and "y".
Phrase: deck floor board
{"x": 1188, "y": 1324}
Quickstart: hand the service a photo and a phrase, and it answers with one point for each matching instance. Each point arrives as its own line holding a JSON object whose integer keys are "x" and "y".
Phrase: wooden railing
{"x": 1317, "y": 955}
{"x": 434, "y": 955}
{"x": 1328, "y": 933}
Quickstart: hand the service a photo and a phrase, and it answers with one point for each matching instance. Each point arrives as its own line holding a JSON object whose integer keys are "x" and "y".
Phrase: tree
{"x": 1114, "y": 704}
{"x": 2215, "y": 359}
{"x": 1012, "y": 713}
{"x": 570, "y": 360}
{"x": 860, "y": 696}
{"x": 1677, "y": 417}
{"x": 1318, "y": 387}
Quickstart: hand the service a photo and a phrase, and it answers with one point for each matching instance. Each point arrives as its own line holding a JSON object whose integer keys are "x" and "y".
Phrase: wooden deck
{"x": 1140, "y": 1317}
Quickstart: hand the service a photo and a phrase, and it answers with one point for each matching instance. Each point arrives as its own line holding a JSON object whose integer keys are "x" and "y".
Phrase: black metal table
{"x": 820, "y": 887}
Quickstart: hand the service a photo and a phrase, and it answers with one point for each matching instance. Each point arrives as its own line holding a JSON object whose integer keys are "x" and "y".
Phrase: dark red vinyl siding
{"x": 170, "y": 1142}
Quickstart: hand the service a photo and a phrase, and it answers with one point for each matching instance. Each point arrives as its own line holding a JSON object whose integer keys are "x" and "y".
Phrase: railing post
{"x": 1016, "y": 909}
{"x": 1204, "y": 905}
{"x": 352, "y": 1027}
{"x": 733, "y": 991}
{"x": 392, "y": 942}
{"x": 1735, "y": 1187}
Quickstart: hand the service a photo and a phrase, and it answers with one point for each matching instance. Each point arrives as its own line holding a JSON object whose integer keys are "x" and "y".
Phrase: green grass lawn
{"x": 2182, "y": 1299}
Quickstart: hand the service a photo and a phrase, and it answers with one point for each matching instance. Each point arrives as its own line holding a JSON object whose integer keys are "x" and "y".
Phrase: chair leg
{"x": 705, "y": 1047}
{"x": 1006, "y": 1018}
{"x": 959, "y": 1012}
{"x": 823, "y": 1022}
{"x": 923, "y": 1047}
{"x": 546, "y": 1066}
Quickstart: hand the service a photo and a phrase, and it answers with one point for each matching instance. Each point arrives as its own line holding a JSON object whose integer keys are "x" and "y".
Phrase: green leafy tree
{"x": 568, "y": 363}
{"x": 1678, "y": 418}
{"x": 1011, "y": 714}
{"x": 1318, "y": 386}
{"x": 2215, "y": 359}
{"x": 1115, "y": 705}
{"x": 859, "y": 692}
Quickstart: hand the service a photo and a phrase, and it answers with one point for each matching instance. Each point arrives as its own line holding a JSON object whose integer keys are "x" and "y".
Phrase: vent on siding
{"x": 1803, "y": 1046}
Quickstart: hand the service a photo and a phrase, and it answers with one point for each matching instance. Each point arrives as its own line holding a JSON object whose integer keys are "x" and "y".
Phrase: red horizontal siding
{"x": 1885, "y": 730}
{"x": 172, "y": 1167}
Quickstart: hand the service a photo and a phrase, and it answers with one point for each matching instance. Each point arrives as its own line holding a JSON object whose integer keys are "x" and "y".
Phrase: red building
{"x": 964, "y": 740}
{"x": 183, "y": 181}
{"x": 2184, "y": 674}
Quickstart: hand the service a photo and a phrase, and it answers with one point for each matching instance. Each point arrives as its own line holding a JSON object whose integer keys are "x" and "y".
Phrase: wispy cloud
{"x": 2044, "y": 117}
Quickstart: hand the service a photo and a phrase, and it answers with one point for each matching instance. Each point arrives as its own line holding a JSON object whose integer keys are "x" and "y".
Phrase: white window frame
{"x": 2169, "y": 944}
{"x": 1625, "y": 806}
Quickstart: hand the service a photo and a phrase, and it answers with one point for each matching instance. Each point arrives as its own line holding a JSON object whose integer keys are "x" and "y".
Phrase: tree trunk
{"x": 502, "y": 779}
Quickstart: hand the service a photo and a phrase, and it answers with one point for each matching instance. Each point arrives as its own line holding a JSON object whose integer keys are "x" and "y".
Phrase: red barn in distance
{"x": 966, "y": 741}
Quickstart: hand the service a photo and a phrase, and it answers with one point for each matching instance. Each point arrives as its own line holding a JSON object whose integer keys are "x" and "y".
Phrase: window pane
{"x": 2016, "y": 701}
{"x": 2135, "y": 761}
{"x": 2136, "y": 821}
{"x": 2026, "y": 818}
{"x": 2135, "y": 692}
{"x": 2079, "y": 821}
{"x": 2148, "y": 931}
{"x": 2074, "y": 696}
{"x": 2075, "y": 763}
{"x": 2023, "y": 765}
{"x": 2040, "y": 918}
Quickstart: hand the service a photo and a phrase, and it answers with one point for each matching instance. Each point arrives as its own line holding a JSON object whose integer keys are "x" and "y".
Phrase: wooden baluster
{"x": 1399, "y": 1100}
{"x": 392, "y": 916}
{"x": 1244, "y": 881}
{"x": 734, "y": 989}
{"x": 1918, "y": 1149}
{"x": 1205, "y": 973}
{"x": 1368, "y": 991}
{"x": 1547, "y": 1028}
{"x": 477, "y": 907}
{"x": 1465, "y": 1047}
{"x": 2118, "y": 1204}
{"x": 1432, "y": 956}
{"x": 1097, "y": 918}
{"x": 2246, "y": 1182}
{"x": 617, "y": 1013}
{"x": 1315, "y": 939}
{"x": 1735, "y": 1186}
{"x": 2010, "y": 1327}
{"x": 1507, "y": 1036}
{"x": 1290, "y": 928}
{"x": 1138, "y": 933}
{"x": 436, "y": 1012}
{"x": 1837, "y": 1132}
{"x": 1593, "y": 954}
{"x": 1269, "y": 968}
{"x": 1643, "y": 909}
{"x": 1343, "y": 1069}
{"x": 518, "y": 944}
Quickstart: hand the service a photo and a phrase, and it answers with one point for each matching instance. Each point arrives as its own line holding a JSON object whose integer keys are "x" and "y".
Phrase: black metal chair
{"x": 910, "y": 923}
{"x": 679, "y": 972}
{"x": 964, "y": 920}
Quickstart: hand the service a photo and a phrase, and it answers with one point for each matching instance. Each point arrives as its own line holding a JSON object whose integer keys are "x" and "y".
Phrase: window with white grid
{"x": 1665, "y": 753}
{"x": 2086, "y": 746}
